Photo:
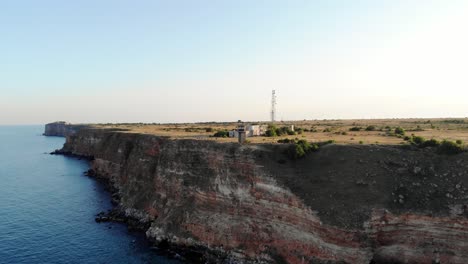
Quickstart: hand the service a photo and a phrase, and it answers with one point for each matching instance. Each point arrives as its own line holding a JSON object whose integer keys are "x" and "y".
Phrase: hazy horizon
{"x": 161, "y": 62}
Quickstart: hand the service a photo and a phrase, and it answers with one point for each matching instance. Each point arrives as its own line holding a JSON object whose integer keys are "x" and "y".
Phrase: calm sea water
{"x": 47, "y": 207}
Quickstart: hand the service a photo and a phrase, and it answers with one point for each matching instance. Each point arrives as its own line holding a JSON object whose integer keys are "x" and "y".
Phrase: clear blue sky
{"x": 177, "y": 61}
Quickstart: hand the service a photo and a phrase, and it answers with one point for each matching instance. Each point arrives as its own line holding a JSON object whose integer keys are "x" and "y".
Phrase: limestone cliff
{"x": 62, "y": 129}
{"x": 342, "y": 204}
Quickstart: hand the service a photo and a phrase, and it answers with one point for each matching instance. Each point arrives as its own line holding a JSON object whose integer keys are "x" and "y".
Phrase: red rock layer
{"x": 222, "y": 197}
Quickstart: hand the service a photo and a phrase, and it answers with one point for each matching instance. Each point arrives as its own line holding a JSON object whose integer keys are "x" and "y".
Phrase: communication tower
{"x": 273, "y": 106}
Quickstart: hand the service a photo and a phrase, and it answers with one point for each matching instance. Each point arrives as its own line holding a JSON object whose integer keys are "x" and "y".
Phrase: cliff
{"x": 62, "y": 129}
{"x": 342, "y": 204}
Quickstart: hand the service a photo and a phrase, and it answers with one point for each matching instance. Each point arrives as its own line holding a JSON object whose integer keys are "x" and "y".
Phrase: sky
{"x": 151, "y": 61}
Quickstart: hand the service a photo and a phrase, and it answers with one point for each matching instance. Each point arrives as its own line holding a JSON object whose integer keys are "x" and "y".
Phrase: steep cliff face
{"x": 342, "y": 204}
{"x": 62, "y": 129}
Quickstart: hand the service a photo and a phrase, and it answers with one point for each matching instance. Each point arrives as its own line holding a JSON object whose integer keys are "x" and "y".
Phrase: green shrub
{"x": 300, "y": 148}
{"x": 417, "y": 140}
{"x": 371, "y": 128}
{"x": 361, "y": 142}
{"x": 222, "y": 133}
{"x": 406, "y": 138}
{"x": 209, "y": 129}
{"x": 431, "y": 143}
{"x": 286, "y": 141}
{"x": 297, "y": 152}
{"x": 449, "y": 148}
{"x": 355, "y": 129}
{"x": 327, "y": 130}
{"x": 459, "y": 142}
{"x": 314, "y": 147}
{"x": 399, "y": 131}
{"x": 271, "y": 131}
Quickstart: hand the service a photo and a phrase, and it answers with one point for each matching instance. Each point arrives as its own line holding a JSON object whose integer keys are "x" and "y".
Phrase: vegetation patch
{"x": 454, "y": 121}
{"x": 222, "y": 134}
{"x": 299, "y": 148}
{"x": 273, "y": 131}
{"x": 399, "y": 131}
{"x": 418, "y": 128}
{"x": 446, "y": 147}
{"x": 450, "y": 148}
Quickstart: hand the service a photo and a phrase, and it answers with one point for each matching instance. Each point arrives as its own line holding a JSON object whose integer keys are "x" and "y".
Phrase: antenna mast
{"x": 273, "y": 106}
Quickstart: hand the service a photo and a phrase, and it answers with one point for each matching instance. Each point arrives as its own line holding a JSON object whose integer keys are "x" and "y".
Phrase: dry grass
{"x": 338, "y": 130}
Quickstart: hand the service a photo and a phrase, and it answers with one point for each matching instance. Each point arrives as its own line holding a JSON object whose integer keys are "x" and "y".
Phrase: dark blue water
{"x": 47, "y": 207}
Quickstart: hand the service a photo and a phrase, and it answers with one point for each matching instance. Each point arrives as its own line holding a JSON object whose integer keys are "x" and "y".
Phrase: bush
{"x": 449, "y": 148}
{"x": 271, "y": 131}
{"x": 222, "y": 133}
{"x": 331, "y": 141}
{"x": 399, "y": 131}
{"x": 286, "y": 141}
{"x": 209, "y": 129}
{"x": 371, "y": 128}
{"x": 417, "y": 140}
{"x": 300, "y": 148}
{"x": 297, "y": 152}
{"x": 314, "y": 147}
{"x": 459, "y": 142}
{"x": 445, "y": 147}
{"x": 355, "y": 129}
{"x": 431, "y": 143}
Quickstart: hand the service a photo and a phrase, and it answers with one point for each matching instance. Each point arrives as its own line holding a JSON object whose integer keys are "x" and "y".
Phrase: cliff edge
{"x": 250, "y": 203}
{"x": 62, "y": 129}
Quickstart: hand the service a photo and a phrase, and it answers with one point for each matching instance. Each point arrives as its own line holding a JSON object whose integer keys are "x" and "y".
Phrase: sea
{"x": 48, "y": 206}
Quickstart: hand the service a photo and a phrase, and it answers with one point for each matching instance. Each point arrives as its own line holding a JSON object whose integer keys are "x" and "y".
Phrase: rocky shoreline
{"x": 194, "y": 255}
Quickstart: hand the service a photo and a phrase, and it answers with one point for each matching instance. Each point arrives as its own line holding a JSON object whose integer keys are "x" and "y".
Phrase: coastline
{"x": 195, "y": 255}
{"x": 195, "y": 192}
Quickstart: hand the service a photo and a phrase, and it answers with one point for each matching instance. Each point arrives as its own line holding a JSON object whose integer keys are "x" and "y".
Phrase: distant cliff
{"x": 62, "y": 129}
{"x": 249, "y": 203}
